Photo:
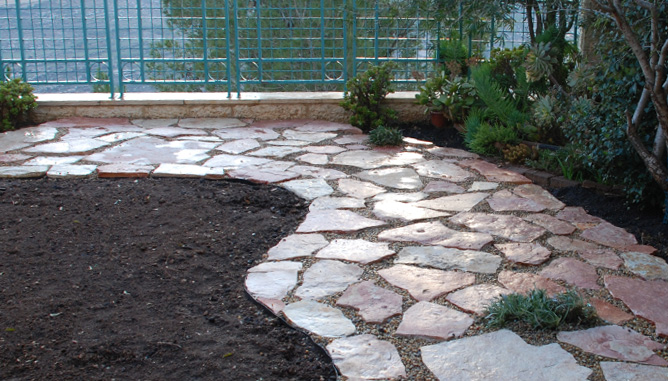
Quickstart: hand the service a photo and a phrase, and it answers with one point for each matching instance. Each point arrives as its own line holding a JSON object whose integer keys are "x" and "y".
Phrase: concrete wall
{"x": 274, "y": 106}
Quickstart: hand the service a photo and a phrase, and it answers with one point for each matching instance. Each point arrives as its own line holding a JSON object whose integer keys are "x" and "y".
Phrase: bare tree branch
{"x": 657, "y": 170}
{"x": 640, "y": 107}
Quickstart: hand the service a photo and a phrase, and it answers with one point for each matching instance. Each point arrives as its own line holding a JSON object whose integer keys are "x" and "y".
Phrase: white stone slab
{"x": 297, "y": 246}
{"x": 364, "y": 357}
{"x": 450, "y": 259}
{"x": 309, "y": 189}
{"x": 319, "y": 319}
{"x": 272, "y": 280}
{"x": 326, "y": 278}
{"x": 356, "y": 250}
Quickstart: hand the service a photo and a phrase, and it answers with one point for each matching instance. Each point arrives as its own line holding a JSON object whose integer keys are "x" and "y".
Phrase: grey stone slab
{"x": 433, "y": 321}
{"x": 63, "y": 171}
{"x": 501, "y": 356}
{"x": 324, "y": 150}
{"x": 238, "y": 146}
{"x": 13, "y": 157}
{"x": 455, "y": 203}
{"x": 477, "y": 298}
{"x": 435, "y": 233}
{"x": 360, "y": 159}
{"x": 398, "y": 178}
{"x": 24, "y": 172}
{"x": 510, "y": 227}
{"x": 297, "y": 246}
{"x": 319, "y": 319}
{"x": 400, "y": 197}
{"x": 443, "y": 169}
{"x": 326, "y": 278}
{"x": 336, "y": 221}
{"x": 53, "y": 160}
{"x": 375, "y": 304}
{"x": 364, "y": 357}
{"x": 172, "y": 132}
{"x": 525, "y": 253}
{"x": 337, "y": 203}
{"x": 326, "y": 126}
{"x": 317, "y": 172}
{"x": 620, "y": 371}
{"x": 425, "y": 284}
{"x": 235, "y": 161}
{"x": 649, "y": 267}
{"x": 275, "y": 151}
{"x": 359, "y": 189}
{"x": 119, "y": 136}
{"x": 478, "y": 186}
{"x": 309, "y": 189}
{"x": 314, "y": 158}
{"x": 450, "y": 259}
{"x": 151, "y": 150}
{"x": 406, "y": 212}
{"x": 25, "y": 137}
{"x": 356, "y": 250}
{"x": 247, "y": 133}
{"x": 69, "y": 147}
{"x": 153, "y": 123}
{"x": 312, "y": 137}
{"x": 272, "y": 280}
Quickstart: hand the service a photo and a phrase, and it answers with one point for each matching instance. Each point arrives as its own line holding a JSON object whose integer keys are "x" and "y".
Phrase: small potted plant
{"x": 446, "y": 99}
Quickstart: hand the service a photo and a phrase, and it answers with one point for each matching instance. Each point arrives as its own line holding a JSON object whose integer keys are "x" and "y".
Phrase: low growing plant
{"x": 539, "y": 310}
{"x": 365, "y": 95}
{"x": 453, "y": 97}
{"x": 16, "y": 103}
{"x": 386, "y": 136}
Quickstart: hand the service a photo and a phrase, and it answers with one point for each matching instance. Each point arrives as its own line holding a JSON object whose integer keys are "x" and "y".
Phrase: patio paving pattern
{"x": 402, "y": 249}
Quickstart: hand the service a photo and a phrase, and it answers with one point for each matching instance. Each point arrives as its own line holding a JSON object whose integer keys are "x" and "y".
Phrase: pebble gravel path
{"x": 403, "y": 248}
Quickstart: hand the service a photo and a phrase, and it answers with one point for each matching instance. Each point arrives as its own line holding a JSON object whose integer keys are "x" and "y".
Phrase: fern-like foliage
{"x": 500, "y": 104}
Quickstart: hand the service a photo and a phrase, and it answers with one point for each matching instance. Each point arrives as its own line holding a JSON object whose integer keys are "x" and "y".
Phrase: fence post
{"x": 229, "y": 51}
{"x": 19, "y": 27}
{"x": 110, "y": 56}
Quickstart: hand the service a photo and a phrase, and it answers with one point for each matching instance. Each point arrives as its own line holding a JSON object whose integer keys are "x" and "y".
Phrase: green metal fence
{"x": 229, "y": 46}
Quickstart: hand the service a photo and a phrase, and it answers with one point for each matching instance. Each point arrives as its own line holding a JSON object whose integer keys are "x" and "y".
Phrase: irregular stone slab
{"x": 270, "y": 172}
{"x": 336, "y": 203}
{"x": 356, "y": 147}
{"x": 501, "y": 355}
{"x": 647, "y": 266}
{"x": 476, "y": 299}
{"x": 418, "y": 142}
{"x": 610, "y": 235}
{"x": 325, "y": 150}
{"x": 63, "y": 171}
{"x": 590, "y": 252}
{"x": 297, "y": 246}
{"x": 14, "y": 157}
{"x": 314, "y": 158}
{"x": 450, "y": 259}
{"x": 356, "y": 250}
{"x": 123, "y": 170}
{"x": 119, "y": 136}
{"x": 425, "y": 284}
{"x": 187, "y": 170}
{"x": 621, "y": 371}
{"x": 504, "y": 201}
{"x": 326, "y": 278}
{"x": 493, "y": 173}
{"x": 275, "y": 151}
{"x": 153, "y": 123}
{"x": 510, "y": 227}
{"x": 204, "y": 138}
{"x": 578, "y": 217}
{"x": 552, "y": 224}
{"x": 454, "y": 203}
{"x": 406, "y": 212}
{"x": 150, "y": 150}
{"x": 272, "y": 280}
{"x": 609, "y": 312}
{"x": 210, "y": 123}
{"x": 321, "y": 173}
{"x": 647, "y": 299}
{"x": 443, "y": 169}
{"x": 319, "y": 319}
{"x": 364, "y": 357}
{"x": 87, "y": 122}
{"x": 523, "y": 283}
{"x": 247, "y": 133}
{"x": 312, "y": 137}
{"x": 398, "y": 178}
{"x": 401, "y": 159}
{"x": 53, "y": 160}
{"x": 435, "y": 233}
{"x": 287, "y": 123}
{"x": 290, "y": 143}
{"x": 400, "y": 197}
{"x": 309, "y": 188}
{"x": 615, "y": 342}
{"x": 326, "y": 126}
{"x": 24, "y": 172}
{"x": 640, "y": 249}
{"x": 443, "y": 186}
{"x": 359, "y": 189}
{"x": 238, "y": 146}
{"x": 336, "y": 221}
{"x": 539, "y": 195}
{"x": 360, "y": 159}
{"x": 452, "y": 152}
{"x": 572, "y": 271}
{"x": 526, "y": 253}
{"x": 172, "y": 132}
{"x": 25, "y": 137}
{"x": 352, "y": 139}
{"x": 482, "y": 186}
{"x": 69, "y": 147}
{"x": 433, "y": 321}
{"x": 374, "y": 303}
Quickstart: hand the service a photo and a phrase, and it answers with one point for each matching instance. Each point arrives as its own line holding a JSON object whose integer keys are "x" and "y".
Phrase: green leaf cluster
{"x": 453, "y": 97}
{"x": 365, "y": 96}
{"x": 386, "y": 136}
{"x": 16, "y": 102}
{"x": 539, "y": 310}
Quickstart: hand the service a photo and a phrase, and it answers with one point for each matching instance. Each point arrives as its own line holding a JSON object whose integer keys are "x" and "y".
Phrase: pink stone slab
{"x": 374, "y": 303}
{"x": 78, "y": 146}
{"x": 493, "y": 173}
{"x": 336, "y": 221}
{"x": 647, "y": 299}
{"x": 123, "y": 170}
{"x": 608, "y": 312}
{"x": 356, "y": 250}
{"x": 578, "y": 217}
{"x": 443, "y": 186}
{"x": 364, "y": 357}
{"x": 476, "y": 299}
{"x": 588, "y": 251}
{"x": 393, "y": 209}
{"x": 646, "y": 249}
{"x": 523, "y": 283}
{"x": 552, "y": 224}
{"x": 454, "y": 203}
{"x": 610, "y": 235}
{"x": 452, "y": 152}
{"x": 504, "y": 201}
{"x": 443, "y": 169}
{"x": 572, "y": 271}
{"x": 435, "y": 233}
{"x": 359, "y": 189}
{"x": 433, "y": 321}
{"x": 425, "y": 284}
{"x": 623, "y": 371}
{"x": 616, "y": 342}
{"x": 539, "y": 195}
{"x": 510, "y": 227}
{"x": 151, "y": 150}
{"x": 526, "y": 253}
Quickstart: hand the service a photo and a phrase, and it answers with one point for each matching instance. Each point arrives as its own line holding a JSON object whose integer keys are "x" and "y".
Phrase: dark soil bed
{"x": 143, "y": 280}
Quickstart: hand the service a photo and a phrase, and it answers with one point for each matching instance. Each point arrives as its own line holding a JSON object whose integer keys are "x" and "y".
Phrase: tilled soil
{"x": 143, "y": 280}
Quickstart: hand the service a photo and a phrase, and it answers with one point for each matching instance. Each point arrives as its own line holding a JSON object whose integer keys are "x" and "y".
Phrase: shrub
{"x": 386, "y": 136}
{"x": 16, "y": 103}
{"x": 365, "y": 96}
{"x": 539, "y": 310}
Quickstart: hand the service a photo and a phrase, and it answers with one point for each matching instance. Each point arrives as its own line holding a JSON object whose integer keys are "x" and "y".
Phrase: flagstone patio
{"x": 402, "y": 248}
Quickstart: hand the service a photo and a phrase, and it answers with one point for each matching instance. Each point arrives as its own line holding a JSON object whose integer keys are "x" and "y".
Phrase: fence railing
{"x": 229, "y": 46}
